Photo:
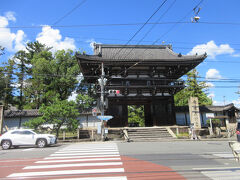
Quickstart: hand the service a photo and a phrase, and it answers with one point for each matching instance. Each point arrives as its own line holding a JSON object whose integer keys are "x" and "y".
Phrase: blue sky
{"x": 60, "y": 24}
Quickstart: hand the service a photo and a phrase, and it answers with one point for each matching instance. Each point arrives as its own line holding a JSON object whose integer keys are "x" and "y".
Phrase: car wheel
{"x": 41, "y": 143}
{"x": 6, "y": 144}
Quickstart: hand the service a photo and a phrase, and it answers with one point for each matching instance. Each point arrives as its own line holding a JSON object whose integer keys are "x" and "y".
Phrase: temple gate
{"x": 146, "y": 75}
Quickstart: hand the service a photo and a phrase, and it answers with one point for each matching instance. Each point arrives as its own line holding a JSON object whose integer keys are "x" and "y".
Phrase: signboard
{"x": 94, "y": 111}
{"x": 104, "y": 118}
{"x": 194, "y": 112}
{"x": 99, "y": 129}
{"x": 209, "y": 115}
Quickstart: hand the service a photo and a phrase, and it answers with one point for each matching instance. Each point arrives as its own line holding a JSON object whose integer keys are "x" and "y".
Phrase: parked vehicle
{"x": 26, "y": 137}
{"x": 238, "y": 131}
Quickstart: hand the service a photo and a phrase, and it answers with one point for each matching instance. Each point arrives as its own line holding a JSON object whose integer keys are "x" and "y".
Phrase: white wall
{"x": 89, "y": 121}
{"x": 181, "y": 119}
{"x": 12, "y": 123}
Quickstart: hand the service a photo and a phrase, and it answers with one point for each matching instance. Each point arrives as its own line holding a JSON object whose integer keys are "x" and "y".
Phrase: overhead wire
{"x": 153, "y": 26}
{"x": 122, "y": 24}
{"x": 134, "y": 35}
{"x": 224, "y": 80}
{"x": 69, "y": 12}
{"x": 161, "y": 37}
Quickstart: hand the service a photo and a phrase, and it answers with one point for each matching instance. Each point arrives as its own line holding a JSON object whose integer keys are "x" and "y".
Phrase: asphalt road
{"x": 138, "y": 160}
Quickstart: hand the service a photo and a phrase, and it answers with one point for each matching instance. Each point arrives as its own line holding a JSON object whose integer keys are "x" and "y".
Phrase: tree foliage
{"x": 136, "y": 115}
{"x": 6, "y": 83}
{"x": 84, "y": 102}
{"x": 59, "y": 113}
{"x": 42, "y": 74}
{"x": 194, "y": 88}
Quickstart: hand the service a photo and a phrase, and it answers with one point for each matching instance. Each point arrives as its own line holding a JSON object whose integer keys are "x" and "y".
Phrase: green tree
{"x": 136, "y": 115}
{"x": 59, "y": 113}
{"x": 52, "y": 75}
{"x": 6, "y": 83}
{"x": 21, "y": 72}
{"x": 84, "y": 102}
{"x": 194, "y": 88}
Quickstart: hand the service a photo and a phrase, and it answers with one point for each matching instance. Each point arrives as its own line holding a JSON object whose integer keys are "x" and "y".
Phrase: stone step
{"x": 154, "y": 135}
{"x": 151, "y": 139}
{"x": 148, "y": 134}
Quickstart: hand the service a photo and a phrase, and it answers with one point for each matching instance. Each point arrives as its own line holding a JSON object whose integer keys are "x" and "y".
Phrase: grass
{"x": 183, "y": 135}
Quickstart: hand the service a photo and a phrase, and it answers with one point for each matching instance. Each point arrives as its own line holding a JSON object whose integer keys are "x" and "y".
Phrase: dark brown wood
{"x": 148, "y": 79}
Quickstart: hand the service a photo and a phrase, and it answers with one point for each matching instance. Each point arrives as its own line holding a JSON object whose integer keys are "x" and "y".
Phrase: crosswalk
{"x": 82, "y": 161}
{"x": 222, "y": 172}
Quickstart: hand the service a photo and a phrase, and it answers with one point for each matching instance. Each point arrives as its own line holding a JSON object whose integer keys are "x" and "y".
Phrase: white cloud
{"x": 212, "y": 49}
{"x": 10, "y": 16}
{"x": 92, "y": 42}
{"x": 236, "y": 102}
{"x": 236, "y": 55}
{"x": 210, "y": 85}
{"x": 213, "y": 74}
{"x": 52, "y": 38}
{"x": 211, "y": 95}
{"x": 218, "y": 103}
{"x": 11, "y": 41}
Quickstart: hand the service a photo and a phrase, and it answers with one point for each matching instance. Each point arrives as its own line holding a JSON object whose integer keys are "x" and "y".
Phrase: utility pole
{"x": 102, "y": 82}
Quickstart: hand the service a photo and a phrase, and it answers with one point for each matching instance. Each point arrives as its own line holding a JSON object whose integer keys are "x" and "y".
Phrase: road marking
{"x": 224, "y": 155}
{"x": 84, "y": 151}
{"x": 64, "y": 172}
{"x": 97, "y": 178}
{"x": 88, "y": 148}
{"x": 80, "y": 160}
{"x": 217, "y": 168}
{"x": 74, "y": 165}
{"x": 71, "y": 157}
{"x": 29, "y": 149}
{"x": 77, "y": 154}
{"x": 224, "y": 175}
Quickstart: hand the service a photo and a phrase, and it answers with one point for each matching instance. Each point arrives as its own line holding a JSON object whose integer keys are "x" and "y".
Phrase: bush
{"x": 215, "y": 122}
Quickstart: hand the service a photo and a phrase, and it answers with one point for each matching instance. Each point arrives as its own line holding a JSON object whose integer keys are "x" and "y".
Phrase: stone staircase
{"x": 149, "y": 134}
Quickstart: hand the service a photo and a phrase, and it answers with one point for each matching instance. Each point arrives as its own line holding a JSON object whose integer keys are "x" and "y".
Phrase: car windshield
{"x": 36, "y": 131}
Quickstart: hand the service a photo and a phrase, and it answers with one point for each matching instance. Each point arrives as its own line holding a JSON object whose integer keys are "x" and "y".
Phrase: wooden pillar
{"x": 174, "y": 121}
{"x": 124, "y": 115}
{"x": 154, "y": 119}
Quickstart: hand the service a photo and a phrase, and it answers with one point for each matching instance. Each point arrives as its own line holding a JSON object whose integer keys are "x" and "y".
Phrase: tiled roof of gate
{"x": 146, "y": 52}
{"x": 24, "y": 113}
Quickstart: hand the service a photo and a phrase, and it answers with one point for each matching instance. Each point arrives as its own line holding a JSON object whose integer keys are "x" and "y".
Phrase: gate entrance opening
{"x": 136, "y": 117}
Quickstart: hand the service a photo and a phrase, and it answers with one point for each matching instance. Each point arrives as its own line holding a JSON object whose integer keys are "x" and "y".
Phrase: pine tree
{"x": 194, "y": 88}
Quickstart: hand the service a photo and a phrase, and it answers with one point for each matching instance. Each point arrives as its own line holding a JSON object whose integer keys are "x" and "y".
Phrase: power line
{"x": 123, "y": 24}
{"x": 218, "y": 80}
{"x": 140, "y": 28}
{"x": 153, "y": 26}
{"x": 68, "y": 13}
{"x": 162, "y": 36}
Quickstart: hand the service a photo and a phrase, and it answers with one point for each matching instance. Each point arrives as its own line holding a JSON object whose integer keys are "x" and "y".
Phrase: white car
{"x": 25, "y": 137}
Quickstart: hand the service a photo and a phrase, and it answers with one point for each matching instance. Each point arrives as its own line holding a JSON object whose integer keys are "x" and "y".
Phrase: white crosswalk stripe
{"x": 88, "y": 159}
{"x": 221, "y": 172}
{"x": 98, "y": 178}
{"x": 92, "y": 156}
